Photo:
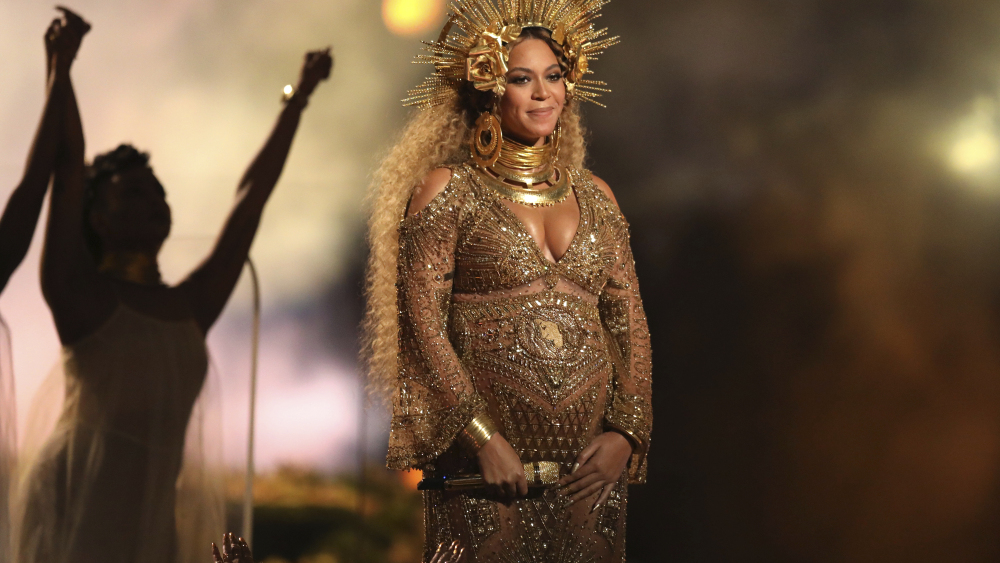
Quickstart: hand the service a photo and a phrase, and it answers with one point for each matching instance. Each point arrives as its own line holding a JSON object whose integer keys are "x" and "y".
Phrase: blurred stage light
{"x": 411, "y": 17}
{"x": 975, "y": 152}
{"x": 976, "y": 148}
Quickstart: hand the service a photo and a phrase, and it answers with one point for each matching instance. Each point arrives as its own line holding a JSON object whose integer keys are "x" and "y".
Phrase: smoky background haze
{"x": 813, "y": 196}
{"x": 813, "y": 188}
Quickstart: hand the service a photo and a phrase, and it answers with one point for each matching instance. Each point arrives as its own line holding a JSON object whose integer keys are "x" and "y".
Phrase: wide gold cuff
{"x": 475, "y": 434}
{"x": 638, "y": 445}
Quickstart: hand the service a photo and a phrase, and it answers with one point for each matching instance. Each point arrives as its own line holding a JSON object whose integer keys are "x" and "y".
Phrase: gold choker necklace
{"x": 517, "y": 156}
{"x": 517, "y": 169}
{"x": 526, "y": 165}
{"x": 529, "y": 179}
{"x": 534, "y": 197}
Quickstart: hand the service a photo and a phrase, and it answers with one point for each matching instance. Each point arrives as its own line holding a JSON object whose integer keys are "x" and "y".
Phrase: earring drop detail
{"x": 486, "y": 140}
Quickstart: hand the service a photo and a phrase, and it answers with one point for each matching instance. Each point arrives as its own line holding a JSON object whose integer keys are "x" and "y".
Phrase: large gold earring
{"x": 486, "y": 140}
{"x": 554, "y": 140}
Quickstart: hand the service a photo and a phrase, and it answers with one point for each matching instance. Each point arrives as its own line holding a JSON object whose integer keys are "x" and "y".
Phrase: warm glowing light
{"x": 410, "y": 17}
{"x": 288, "y": 89}
{"x": 975, "y": 148}
{"x": 976, "y": 151}
{"x": 411, "y": 478}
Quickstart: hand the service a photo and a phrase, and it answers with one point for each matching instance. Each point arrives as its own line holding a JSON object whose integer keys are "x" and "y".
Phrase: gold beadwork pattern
{"x": 500, "y": 254}
{"x": 435, "y": 397}
{"x": 483, "y": 333}
{"x": 610, "y": 521}
{"x": 437, "y": 523}
{"x": 482, "y": 518}
{"x": 554, "y": 363}
{"x": 537, "y": 433}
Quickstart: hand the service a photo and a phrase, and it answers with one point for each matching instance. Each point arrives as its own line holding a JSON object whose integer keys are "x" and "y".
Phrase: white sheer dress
{"x": 121, "y": 477}
{"x": 8, "y": 443}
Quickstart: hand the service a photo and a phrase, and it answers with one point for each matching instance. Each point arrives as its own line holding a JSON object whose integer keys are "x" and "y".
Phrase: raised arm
{"x": 79, "y": 299}
{"x": 210, "y": 285}
{"x": 17, "y": 226}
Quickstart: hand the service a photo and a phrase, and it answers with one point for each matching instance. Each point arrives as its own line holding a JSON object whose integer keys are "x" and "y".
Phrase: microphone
{"x": 538, "y": 474}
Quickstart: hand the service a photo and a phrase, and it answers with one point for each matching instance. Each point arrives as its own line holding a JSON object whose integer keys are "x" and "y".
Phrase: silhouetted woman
{"x": 17, "y": 226}
{"x": 104, "y": 487}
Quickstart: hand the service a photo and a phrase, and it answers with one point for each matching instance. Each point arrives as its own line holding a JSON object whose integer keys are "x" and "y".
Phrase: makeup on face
{"x": 535, "y": 94}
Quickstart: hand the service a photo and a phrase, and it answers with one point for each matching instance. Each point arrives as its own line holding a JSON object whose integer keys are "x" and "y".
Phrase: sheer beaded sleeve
{"x": 630, "y": 408}
{"x": 435, "y": 397}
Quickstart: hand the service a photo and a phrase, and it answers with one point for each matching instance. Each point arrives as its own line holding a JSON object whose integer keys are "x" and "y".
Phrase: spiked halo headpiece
{"x": 473, "y": 46}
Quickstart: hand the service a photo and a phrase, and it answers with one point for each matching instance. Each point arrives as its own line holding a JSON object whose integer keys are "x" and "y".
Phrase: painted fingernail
{"x": 575, "y": 467}
{"x": 595, "y": 507}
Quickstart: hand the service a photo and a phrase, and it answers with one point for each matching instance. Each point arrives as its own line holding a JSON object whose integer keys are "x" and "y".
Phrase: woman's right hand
{"x": 502, "y": 468}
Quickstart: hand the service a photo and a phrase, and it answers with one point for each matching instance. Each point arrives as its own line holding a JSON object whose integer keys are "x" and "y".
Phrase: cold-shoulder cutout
{"x": 605, "y": 188}
{"x": 433, "y": 184}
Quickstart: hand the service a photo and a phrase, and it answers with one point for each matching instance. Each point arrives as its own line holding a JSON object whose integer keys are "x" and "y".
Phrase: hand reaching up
{"x": 233, "y": 550}
{"x": 315, "y": 69}
{"x": 63, "y": 38}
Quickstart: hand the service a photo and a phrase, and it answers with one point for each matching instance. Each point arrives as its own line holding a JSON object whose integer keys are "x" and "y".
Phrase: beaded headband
{"x": 473, "y": 46}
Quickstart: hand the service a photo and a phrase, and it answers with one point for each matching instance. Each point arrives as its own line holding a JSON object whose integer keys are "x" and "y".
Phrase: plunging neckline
{"x": 534, "y": 243}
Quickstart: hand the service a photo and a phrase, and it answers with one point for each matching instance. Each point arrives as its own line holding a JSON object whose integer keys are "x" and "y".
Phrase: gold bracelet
{"x": 475, "y": 435}
{"x": 291, "y": 95}
{"x": 633, "y": 440}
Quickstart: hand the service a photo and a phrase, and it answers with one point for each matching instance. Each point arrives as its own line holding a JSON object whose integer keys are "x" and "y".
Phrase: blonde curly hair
{"x": 432, "y": 138}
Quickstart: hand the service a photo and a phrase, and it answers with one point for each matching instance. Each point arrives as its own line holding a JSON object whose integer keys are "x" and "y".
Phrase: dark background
{"x": 821, "y": 286}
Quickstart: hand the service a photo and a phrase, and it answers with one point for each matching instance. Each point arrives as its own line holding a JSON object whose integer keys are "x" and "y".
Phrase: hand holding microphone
{"x": 537, "y": 473}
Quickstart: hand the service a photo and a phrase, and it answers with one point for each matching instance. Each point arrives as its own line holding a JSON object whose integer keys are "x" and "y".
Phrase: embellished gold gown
{"x": 554, "y": 352}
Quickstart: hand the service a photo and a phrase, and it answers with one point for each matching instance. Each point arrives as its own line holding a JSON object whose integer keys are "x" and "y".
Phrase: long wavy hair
{"x": 432, "y": 138}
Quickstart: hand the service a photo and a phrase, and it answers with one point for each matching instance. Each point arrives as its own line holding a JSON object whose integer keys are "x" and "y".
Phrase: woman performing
{"x": 17, "y": 227}
{"x": 104, "y": 488}
{"x": 504, "y": 314}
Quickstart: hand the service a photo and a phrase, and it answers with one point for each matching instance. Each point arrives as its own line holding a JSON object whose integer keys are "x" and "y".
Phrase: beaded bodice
{"x": 468, "y": 246}
{"x": 496, "y": 252}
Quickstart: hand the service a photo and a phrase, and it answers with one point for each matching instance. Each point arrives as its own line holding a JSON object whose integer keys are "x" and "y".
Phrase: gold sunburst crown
{"x": 473, "y": 46}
